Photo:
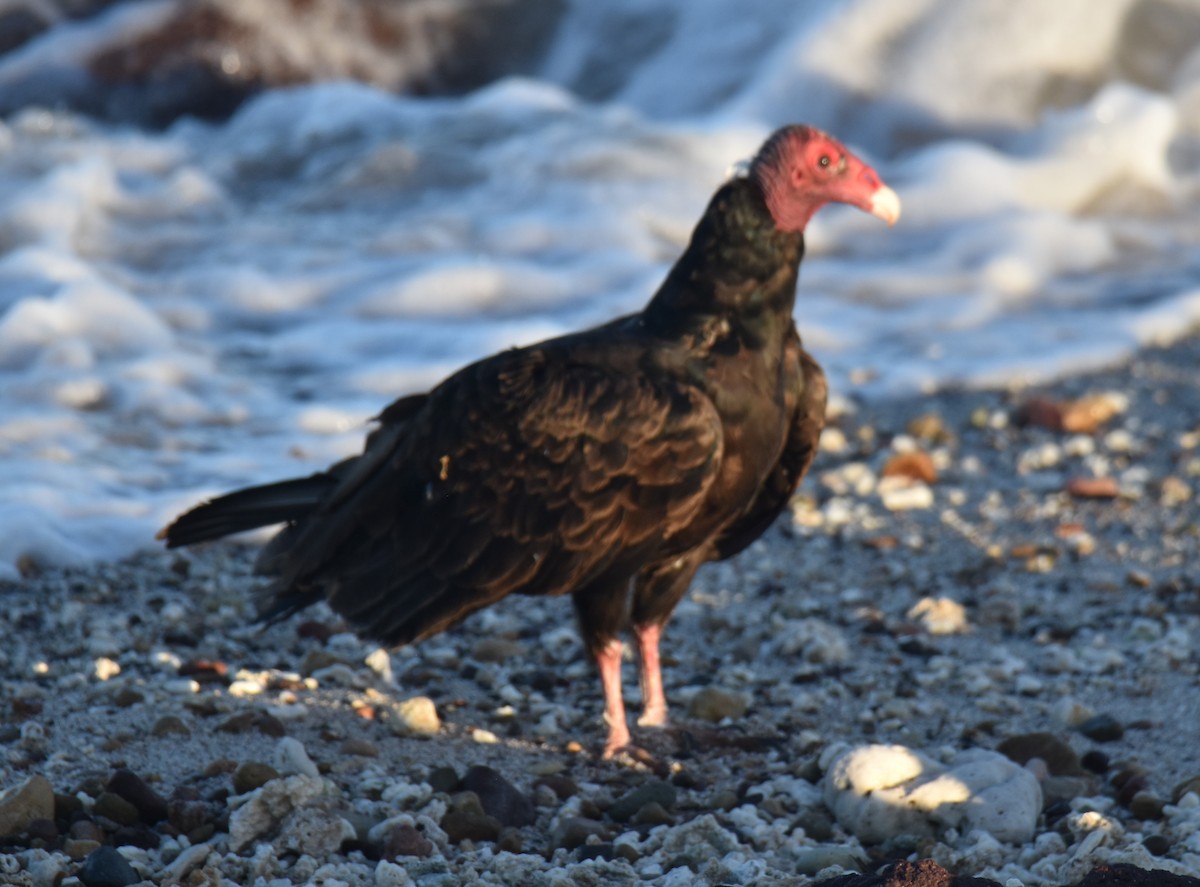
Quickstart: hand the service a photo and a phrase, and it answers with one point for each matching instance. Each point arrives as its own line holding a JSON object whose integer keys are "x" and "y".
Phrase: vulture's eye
{"x": 824, "y": 161}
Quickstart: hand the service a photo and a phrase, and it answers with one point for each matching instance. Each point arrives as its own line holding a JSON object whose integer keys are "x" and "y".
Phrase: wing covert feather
{"x": 522, "y": 473}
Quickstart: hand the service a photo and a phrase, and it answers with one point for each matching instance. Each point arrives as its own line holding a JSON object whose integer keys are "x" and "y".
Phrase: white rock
{"x": 940, "y": 615}
{"x": 262, "y": 810}
{"x": 191, "y": 858}
{"x": 105, "y": 668}
{"x": 904, "y": 494}
{"x": 388, "y": 874}
{"x": 415, "y": 716}
{"x": 1069, "y": 712}
{"x": 314, "y": 830}
{"x": 880, "y": 791}
{"x": 291, "y": 757}
{"x": 380, "y": 662}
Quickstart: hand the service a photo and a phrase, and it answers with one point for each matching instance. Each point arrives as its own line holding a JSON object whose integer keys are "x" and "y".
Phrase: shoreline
{"x": 1015, "y": 594}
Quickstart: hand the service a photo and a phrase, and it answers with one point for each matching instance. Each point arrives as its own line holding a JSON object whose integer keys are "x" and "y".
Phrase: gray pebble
{"x": 1102, "y": 728}
{"x": 105, "y": 867}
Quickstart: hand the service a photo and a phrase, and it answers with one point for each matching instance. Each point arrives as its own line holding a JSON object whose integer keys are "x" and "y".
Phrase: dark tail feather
{"x": 247, "y": 509}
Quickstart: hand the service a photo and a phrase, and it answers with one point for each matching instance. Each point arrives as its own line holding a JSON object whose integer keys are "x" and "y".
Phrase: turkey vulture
{"x": 608, "y": 464}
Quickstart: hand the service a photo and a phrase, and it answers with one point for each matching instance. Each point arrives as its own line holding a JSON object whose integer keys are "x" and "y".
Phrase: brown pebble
{"x": 363, "y": 748}
{"x": 205, "y": 671}
{"x": 928, "y": 426}
{"x": 112, "y": 806}
{"x": 916, "y": 465}
{"x": 26, "y": 708}
{"x": 252, "y": 775}
{"x": 1088, "y": 413}
{"x": 245, "y": 721}
{"x": 1125, "y": 771}
{"x": 405, "y": 840}
{"x": 188, "y": 815}
{"x": 127, "y": 697}
{"x": 151, "y": 807}
{"x": 317, "y": 631}
{"x": 79, "y": 848}
{"x": 86, "y": 830}
{"x": 1145, "y": 805}
{"x": 170, "y": 725}
{"x": 652, "y": 814}
{"x": 1059, "y": 757}
{"x": 509, "y": 840}
{"x": 220, "y": 767}
{"x": 1093, "y": 487}
{"x": 1040, "y": 412}
{"x": 462, "y": 825}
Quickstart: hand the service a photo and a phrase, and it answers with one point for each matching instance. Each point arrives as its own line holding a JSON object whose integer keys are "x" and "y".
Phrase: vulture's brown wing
{"x": 522, "y": 473}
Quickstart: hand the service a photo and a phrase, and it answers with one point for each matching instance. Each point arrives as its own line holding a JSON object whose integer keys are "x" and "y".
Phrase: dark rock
{"x": 499, "y": 797}
{"x": 363, "y": 748}
{"x": 1095, "y": 761}
{"x": 1191, "y": 785}
{"x": 443, "y": 779}
{"x": 652, "y": 814}
{"x": 245, "y": 721}
{"x": 86, "y": 830}
{"x": 112, "y": 806}
{"x": 817, "y": 824}
{"x": 252, "y": 775}
{"x": 42, "y": 829}
{"x": 1145, "y": 805}
{"x": 563, "y": 786}
{"x": 105, "y": 867}
{"x": 79, "y": 849}
{"x": 127, "y": 697}
{"x": 922, "y": 873}
{"x": 1123, "y": 875}
{"x": 510, "y": 840}
{"x": 187, "y": 816}
{"x": 404, "y": 840}
{"x": 461, "y": 825}
{"x": 19, "y": 26}
{"x": 150, "y": 805}
{"x": 1132, "y": 787}
{"x": 1059, "y": 757}
{"x": 138, "y": 835}
{"x": 1159, "y": 845}
{"x": 317, "y": 631}
{"x": 1102, "y": 728}
{"x": 466, "y": 802}
{"x": 573, "y": 831}
{"x": 653, "y": 791}
{"x": 204, "y": 58}
{"x": 66, "y": 806}
{"x": 603, "y": 850}
{"x": 170, "y": 725}
{"x": 927, "y": 873}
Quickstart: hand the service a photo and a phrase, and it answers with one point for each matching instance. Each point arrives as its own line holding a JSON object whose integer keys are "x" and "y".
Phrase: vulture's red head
{"x": 800, "y": 169}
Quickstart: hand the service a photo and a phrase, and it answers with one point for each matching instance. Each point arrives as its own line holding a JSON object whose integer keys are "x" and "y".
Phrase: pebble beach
{"x": 971, "y": 647}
